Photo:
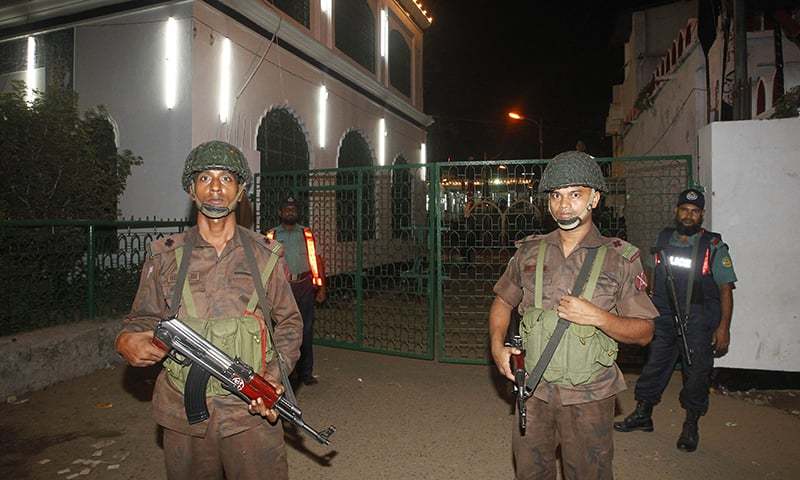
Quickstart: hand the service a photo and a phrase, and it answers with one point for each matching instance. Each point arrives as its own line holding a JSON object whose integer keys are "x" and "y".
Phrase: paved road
{"x": 396, "y": 418}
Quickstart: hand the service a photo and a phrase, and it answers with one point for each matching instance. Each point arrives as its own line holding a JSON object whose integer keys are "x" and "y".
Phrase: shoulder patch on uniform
{"x": 628, "y": 251}
{"x": 726, "y": 262}
{"x": 528, "y": 239}
{"x": 167, "y": 244}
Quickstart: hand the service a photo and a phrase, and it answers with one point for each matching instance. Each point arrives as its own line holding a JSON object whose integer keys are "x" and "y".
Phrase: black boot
{"x": 640, "y": 419}
{"x": 690, "y": 436}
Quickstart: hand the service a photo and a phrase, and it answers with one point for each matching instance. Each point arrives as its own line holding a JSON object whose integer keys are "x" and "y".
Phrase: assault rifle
{"x": 518, "y": 369}
{"x": 206, "y": 360}
{"x": 680, "y": 318}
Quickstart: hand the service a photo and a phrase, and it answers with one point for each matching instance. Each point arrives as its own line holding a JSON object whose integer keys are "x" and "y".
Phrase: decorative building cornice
{"x": 417, "y": 12}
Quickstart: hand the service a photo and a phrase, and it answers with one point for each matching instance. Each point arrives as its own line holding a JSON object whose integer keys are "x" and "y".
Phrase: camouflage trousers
{"x": 583, "y": 431}
{"x": 256, "y": 453}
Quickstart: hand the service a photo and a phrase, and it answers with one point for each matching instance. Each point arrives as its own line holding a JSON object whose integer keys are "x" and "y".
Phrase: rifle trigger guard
{"x": 173, "y": 355}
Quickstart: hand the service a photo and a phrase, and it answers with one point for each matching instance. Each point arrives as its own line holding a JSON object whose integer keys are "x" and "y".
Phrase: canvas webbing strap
{"x": 182, "y": 256}
{"x": 267, "y": 311}
{"x": 593, "y": 258}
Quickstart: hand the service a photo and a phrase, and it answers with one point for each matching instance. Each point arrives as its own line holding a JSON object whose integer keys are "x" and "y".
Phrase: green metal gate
{"x": 412, "y": 251}
{"x": 375, "y": 233}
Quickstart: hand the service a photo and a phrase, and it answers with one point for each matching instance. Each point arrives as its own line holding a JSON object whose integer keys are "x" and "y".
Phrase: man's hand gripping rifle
{"x": 206, "y": 360}
{"x": 679, "y": 317}
{"x": 518, "y": 369}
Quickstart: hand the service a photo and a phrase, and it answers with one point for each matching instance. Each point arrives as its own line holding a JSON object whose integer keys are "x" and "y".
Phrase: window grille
{"x": 399, "y": 63}
{"x": 283, "y": 147}
{"x": 297, "y": 9}
{"x": 354, "y": 26}
{"x": 355, "y": 152}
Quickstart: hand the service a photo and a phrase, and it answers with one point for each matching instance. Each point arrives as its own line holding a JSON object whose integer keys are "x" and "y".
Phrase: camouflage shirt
{"x": 620, "y": 290}
{"x": 221, "y": 287}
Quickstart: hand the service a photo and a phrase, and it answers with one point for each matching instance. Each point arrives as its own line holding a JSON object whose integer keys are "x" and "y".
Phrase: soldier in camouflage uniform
{"x": 235, "y": 441}
{"x": 573, "y": 405}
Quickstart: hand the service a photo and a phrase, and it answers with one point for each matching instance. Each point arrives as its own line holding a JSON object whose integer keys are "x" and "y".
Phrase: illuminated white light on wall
{"x": 382, "y": 141}
{"x": 423, "y": 159}
{"x": 171, "y": 63}
{"x": 322, "y": 115}
{"x": 225, "y": 81}
{"x": 30, "y": 72}
{"x": 384, "y": 34}
{"x": 325, "y": 6}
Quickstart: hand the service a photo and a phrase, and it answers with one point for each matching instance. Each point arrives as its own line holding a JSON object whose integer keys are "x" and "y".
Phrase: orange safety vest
{"x": 311, "y": 254}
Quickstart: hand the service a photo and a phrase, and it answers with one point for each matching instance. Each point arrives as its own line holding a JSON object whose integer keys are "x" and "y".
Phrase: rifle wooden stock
{"x": 206, "y": 360}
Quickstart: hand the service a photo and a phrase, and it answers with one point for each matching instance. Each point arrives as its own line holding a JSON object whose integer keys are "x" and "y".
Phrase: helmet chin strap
{"x": 573, "y": 222}
{"x": 213, "y": 211}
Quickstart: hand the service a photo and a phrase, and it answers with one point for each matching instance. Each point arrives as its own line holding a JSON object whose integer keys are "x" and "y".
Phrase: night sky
{"x": 551, "y": 60}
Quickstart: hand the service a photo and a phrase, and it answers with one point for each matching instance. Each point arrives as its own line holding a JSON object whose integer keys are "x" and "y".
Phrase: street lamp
{"x": 538, "y": 123}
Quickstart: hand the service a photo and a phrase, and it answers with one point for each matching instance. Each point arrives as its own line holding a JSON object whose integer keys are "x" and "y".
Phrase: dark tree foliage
{"x": 56, "y": 163}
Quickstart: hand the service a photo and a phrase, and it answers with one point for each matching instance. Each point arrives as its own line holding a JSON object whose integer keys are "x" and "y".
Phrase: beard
{"x": 290, "y": 220}
{"x": 687, "y": 230}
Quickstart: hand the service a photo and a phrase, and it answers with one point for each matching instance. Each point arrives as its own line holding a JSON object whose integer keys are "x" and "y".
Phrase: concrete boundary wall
{"x": 752, "y": 175}
{"x": 34, "y": 360}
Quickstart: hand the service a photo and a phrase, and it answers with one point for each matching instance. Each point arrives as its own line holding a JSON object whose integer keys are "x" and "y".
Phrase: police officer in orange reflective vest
{"x": 306, "y": 278}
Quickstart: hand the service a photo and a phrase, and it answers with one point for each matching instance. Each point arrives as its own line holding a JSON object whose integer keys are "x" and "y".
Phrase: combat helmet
{"x": 572, "y": 168}
{"x": 213, "y": 155}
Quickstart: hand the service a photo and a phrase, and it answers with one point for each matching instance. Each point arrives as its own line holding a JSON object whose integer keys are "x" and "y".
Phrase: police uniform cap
{"x": 692, "y": 196}
{"x": 289, "y": 201}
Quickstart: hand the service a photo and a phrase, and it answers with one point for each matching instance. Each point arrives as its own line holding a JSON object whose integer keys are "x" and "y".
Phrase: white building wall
{"x": 119, "y": 63}
{"x": 283, "y": 80}
{"x": 670, "y": 126}
{"x": 752, "y": 172}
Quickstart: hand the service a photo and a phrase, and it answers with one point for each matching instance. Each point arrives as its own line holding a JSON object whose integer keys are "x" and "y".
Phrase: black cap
{"x": 289, "y": 202}
{"x": 693, "y": 196}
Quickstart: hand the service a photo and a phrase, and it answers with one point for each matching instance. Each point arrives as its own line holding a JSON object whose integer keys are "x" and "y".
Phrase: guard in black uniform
{"x": 700, "y": 263}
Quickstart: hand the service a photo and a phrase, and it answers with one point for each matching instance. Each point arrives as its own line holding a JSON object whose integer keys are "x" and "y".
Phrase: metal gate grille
{"x": 373, "y": 229}
{"x": 412, "y": 252}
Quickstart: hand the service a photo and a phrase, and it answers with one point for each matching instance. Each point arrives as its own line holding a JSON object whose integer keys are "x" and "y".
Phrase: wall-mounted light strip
{"x": 171, "y": 63}
{"x": 423, "y": 159}
{"x": 322, "y": 115}
{"x": 325, "y": 6}
{"x": 225, "y": 81}
{"x": 382, "y": 141}
{"x": 384, "y": 34}
{"x": 30, "y": 72}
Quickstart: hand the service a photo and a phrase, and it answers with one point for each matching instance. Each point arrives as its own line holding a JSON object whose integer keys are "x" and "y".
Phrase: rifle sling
{"x": 266, "y": 310}
{"x": 183, "y": 269}
{"x": 561, "y": 327}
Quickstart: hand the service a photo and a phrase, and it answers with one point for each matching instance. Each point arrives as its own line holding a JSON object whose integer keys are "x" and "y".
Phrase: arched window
{"x": 354, "y": 30}
{"x": 688, "y": 34}
{"x": 283, "y": 148}
{"x": 681, "y": 43}
{"x": 761, "y": 98}
{"x": 355, "y": 152}
{"x": 399, "y": 63}
{"x": 777, "y": 88}
{"x": 401, "y": 199}
{"x": 297, "y": 9}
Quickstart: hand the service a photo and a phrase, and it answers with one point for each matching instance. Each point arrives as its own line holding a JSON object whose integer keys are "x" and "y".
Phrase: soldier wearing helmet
{"x": 573, "y": 381}
{"x": 206, "y": 277}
